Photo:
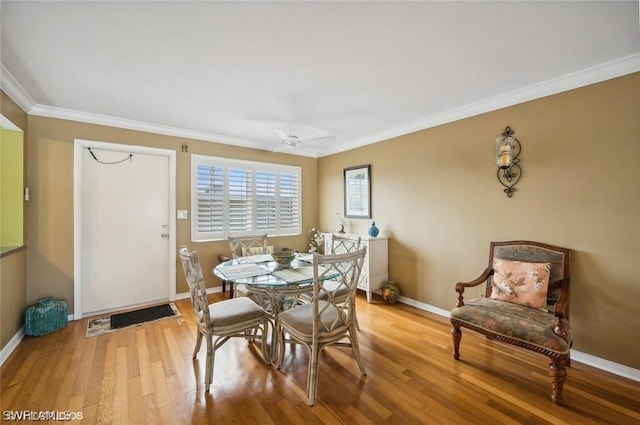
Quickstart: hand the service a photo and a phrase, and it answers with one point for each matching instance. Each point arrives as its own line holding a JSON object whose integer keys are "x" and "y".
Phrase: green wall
{"x": 11, "y": 188}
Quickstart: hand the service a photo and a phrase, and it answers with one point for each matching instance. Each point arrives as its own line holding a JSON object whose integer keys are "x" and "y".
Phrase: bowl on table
{"x": 283, "y": 258}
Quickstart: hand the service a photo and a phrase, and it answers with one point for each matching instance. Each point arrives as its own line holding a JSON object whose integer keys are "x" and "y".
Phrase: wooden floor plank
{"x": 146, "y": 374}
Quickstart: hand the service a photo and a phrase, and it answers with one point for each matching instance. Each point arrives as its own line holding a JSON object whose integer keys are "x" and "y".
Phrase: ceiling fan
{"x": 289, "y": 140}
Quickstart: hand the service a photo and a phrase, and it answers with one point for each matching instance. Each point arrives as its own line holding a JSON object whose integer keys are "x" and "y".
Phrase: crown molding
{"x": 109, "y": 121}
{"x": 14, "y": 90}
{"x": 595, "y": 74}
{"x": 617, "y": 68}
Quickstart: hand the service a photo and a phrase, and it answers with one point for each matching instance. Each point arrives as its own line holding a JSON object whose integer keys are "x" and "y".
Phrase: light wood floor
{"x": 146, "y": 375}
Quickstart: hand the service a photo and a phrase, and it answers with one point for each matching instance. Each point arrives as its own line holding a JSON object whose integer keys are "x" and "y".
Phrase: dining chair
{"x": 241, "y": 246}
{"x": 341, "y": 245}
{"x": 230, "y": 318}
{"x": 326, "y": 320}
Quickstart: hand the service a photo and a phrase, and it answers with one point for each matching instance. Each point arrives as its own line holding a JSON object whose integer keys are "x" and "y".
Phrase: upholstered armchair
{"x": 526, "y": 303}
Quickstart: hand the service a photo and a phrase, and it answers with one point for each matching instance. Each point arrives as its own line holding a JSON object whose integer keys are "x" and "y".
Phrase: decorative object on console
{"x": 390, "y": 292}
{"x": 373, "y": 230}
{"x": 507, "y": 151}
{"x": 342, "y": 223}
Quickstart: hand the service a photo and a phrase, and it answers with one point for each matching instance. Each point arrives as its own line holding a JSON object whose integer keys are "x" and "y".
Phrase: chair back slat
{"x": 344, "y": 269}
{"x": 248, "y": 245}
{"x": 197, "y": 288}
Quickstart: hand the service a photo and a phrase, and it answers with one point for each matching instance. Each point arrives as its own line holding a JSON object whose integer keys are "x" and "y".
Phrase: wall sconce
{"x": 507, "y": 152}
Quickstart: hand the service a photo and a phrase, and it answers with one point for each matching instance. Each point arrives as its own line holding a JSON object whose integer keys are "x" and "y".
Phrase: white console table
{"x": 375, "y": 269}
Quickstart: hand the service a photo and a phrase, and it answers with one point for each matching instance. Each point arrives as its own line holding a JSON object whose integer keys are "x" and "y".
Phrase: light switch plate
{"x": 183, "y": 214}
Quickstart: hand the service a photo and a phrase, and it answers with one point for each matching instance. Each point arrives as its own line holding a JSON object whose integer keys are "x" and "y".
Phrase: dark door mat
{"x": 149, "y": 314}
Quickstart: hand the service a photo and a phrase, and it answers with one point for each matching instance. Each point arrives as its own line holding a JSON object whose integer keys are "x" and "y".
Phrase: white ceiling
{"x": 231, "y": 72}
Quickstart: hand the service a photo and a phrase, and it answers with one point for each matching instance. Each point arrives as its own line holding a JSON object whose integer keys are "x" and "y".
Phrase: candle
{"x": 504, "y": 158}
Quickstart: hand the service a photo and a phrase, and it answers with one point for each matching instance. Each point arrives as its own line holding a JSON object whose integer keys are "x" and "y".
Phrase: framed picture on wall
{"x": 357, "y": 192}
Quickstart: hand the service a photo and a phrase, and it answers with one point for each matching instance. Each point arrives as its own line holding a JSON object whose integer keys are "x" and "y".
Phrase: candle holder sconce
{"x": 507, "y": 151}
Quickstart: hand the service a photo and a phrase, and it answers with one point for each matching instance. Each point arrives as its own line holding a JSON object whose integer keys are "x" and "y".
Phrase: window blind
{"x": 233, "y": 198}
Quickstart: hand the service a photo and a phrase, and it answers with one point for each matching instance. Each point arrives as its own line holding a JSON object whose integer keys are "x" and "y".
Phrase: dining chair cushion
{"x": 301, "y": 317}
{"x": 257, "y": 250}
{"x": 234, "y": 311}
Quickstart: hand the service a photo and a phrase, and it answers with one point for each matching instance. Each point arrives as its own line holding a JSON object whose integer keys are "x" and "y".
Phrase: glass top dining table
{"x": 275, "y": 288}
{"x": 262, "y": 272}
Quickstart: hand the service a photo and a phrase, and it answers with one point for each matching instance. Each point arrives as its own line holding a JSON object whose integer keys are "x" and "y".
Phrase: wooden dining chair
{"x": 241, "y": 246}
{"x": 326, "y": 320}
{"x": 230, "y": 318}
{"x": 339, "y": 245}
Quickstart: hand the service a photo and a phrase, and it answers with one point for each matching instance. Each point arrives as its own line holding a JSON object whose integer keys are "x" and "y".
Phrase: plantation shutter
{"x": 289, "y": 201}
{"x": 266, "y": 200}
{"x": 234, "y": 198}
{"x": 240, "y": 200}
{"x": 209, "y": 211}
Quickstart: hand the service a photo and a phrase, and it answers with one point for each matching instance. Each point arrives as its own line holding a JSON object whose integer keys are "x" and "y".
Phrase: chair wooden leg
{"x": 457, "y": 336}
{"x": 266, "y": 355}
{"x": 558, "y": 375}
{"x": 356, "y": 349}
{"x": 278, "y": 346}
{"x": 211, "y": 353}
{"x": 231, "y": 290}
{"x": 198, "y": 344}
{"x": 312, "y": 374}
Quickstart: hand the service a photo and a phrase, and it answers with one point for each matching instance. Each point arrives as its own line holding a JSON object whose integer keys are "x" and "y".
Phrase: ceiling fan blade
{"x": 317, "y": 139}
{"x": 283, "y": 136}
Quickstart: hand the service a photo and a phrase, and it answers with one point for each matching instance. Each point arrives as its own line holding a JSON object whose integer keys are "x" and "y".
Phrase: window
{"x": 233, "y": 198}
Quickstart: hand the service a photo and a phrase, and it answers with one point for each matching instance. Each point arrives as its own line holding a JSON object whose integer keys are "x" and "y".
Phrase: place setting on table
{"x": 275, "y": 280}
{"x": 288, "y": 267}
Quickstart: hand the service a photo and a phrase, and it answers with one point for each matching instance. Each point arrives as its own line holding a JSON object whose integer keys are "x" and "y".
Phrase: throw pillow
{"x": 257, "y": 250}
{"x": 520, "y": 282}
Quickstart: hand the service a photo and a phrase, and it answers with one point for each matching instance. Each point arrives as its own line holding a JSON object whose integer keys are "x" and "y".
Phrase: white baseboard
{"x": 212, "y": 290}
{"x": 11, "y": 346}
{"x": 588, "y": 359}
{"x": 606, "y": 365}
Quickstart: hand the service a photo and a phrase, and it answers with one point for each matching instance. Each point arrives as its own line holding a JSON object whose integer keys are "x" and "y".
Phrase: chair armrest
{"x": 460, "y": 286}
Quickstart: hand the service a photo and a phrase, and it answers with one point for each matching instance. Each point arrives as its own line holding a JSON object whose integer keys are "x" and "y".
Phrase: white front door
{"x": 126, "y": 228}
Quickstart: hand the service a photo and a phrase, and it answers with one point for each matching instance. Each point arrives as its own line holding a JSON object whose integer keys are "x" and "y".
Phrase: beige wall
{"x": 13, "y": 267}
{"x": 436, "y": 195}
{"x": 50, "y": 216}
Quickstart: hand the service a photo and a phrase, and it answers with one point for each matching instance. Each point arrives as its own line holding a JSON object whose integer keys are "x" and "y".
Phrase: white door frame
{"x": 78, "y": 178}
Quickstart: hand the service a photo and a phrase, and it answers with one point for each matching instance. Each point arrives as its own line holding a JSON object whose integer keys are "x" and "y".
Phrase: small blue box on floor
{"x": 47, "y": 316}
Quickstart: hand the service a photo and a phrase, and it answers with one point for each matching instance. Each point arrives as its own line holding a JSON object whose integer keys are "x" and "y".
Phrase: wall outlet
{"x": 183, "y": 214}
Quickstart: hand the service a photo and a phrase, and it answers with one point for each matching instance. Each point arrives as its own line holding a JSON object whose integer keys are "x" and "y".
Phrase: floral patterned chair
{"x": 526, "y": 303}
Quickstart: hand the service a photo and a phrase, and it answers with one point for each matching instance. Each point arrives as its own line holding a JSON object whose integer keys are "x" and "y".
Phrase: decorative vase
{"x": 373, "y": 230}
{"x": 390, "y": 291}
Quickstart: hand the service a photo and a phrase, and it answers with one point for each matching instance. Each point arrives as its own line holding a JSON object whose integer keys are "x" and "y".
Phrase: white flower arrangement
{"x": 316, "y": 240}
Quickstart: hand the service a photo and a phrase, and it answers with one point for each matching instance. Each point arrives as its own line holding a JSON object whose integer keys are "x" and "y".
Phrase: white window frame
{"x": 252, "y": 167}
